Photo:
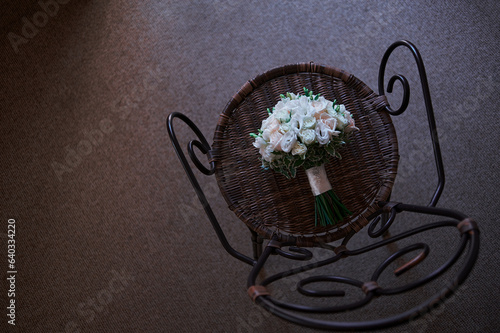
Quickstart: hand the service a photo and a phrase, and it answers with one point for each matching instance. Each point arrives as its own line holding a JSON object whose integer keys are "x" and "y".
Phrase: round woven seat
{"x": 274, "y": 206}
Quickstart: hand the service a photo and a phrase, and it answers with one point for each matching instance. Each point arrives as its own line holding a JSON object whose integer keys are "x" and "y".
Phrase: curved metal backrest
{"x": 275, "y": 206}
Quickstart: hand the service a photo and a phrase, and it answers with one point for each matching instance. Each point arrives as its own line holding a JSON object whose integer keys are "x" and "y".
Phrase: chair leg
{"x": 256, "y": 244}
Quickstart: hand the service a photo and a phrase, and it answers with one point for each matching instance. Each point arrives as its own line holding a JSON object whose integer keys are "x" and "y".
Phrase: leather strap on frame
{"x": 256, "y": 291}
{"x": 369, "y": 286}
{"x": 467, "y": 225}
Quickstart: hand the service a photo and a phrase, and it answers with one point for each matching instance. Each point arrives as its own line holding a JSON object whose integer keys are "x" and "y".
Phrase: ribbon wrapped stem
{"x": 329, "y": 210}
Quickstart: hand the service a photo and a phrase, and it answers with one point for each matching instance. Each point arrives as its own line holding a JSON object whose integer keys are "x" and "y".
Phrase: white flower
{"x": 307, "y": 122}
{"x": 330, "y": 122}
{"x": 264, "y": 149}
{"x": 341, "y": 120}
{"x": 323, "y": 133}
{"x": 270, "y": 122}
{"x": 285, "y": 127}
{"x": 282, "y": 113}
{"x": 259, "y": 142}
{"x": 350, "y": 127}
{"x": 267, "y": 154}
{"x": 275, "y": 140}
{"x": 320, "y": 104}
{"x": 304, "y": 106}
{"x": 294, "y": 124}
{"x": 288, "y": 141}
{"x": 298, "y": 121}
{"x": 299, "y": 149}
{"x": 307, "y": 136}
{"x": 269, "y": 126}
{"x": 329, "y": 107}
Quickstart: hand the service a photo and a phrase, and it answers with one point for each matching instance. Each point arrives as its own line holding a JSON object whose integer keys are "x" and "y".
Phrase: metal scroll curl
{"x": 313, "y": 286}
{"x": 404, "y": 105}
{"x": 202, "y": 143}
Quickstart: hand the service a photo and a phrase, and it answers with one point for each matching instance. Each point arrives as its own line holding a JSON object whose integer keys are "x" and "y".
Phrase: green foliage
{"x": 316, "y": 155}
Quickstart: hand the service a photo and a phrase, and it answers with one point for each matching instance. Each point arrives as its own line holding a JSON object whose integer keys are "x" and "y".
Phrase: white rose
{"x": 285, "y": 127}
{"x": 308, "y": 122}
{"x": 288, "y": 141}
{"x": 299, "y": 149}
{"x": 307, "y": 136}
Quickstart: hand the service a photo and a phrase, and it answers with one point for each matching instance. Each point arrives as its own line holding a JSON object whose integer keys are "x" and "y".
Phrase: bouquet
{"x": 304, "y": 131}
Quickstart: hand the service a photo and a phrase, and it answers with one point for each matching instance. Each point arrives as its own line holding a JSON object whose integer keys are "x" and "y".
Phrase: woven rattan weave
{"x": 273, "y": 205}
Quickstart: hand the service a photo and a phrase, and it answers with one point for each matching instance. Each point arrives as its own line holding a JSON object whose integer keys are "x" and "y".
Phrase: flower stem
{"x": 329, "y": 210}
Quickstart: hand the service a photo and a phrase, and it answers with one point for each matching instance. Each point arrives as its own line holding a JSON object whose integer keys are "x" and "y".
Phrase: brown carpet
{"x": 109, "y": 237}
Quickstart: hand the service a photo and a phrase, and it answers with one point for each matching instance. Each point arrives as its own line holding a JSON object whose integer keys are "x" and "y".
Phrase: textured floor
{"x": 109, "y": 235}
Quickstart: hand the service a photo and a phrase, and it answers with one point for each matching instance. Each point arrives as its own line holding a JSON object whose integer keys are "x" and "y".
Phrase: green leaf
{"x": 330, "y": 150}
{"x": 298, "y": 163}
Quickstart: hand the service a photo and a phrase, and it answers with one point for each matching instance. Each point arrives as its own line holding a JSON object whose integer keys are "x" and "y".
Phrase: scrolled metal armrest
{"x": 406, "y": 97}
{"x": 205, "y": 148}
{"x": 202, "y": 143}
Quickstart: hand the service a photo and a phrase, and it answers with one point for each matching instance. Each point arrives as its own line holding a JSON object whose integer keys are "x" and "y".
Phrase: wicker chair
{"x": 280, "y": 210}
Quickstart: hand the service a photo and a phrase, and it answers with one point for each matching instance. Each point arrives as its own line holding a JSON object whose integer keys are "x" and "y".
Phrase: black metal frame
{"x": 467, "y": 228}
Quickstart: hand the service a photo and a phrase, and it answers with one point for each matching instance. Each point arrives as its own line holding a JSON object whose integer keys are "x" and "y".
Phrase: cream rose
{"x": 328, "y": 120}
{"x": 299, "y": 149}
{"x": 320, "y": 104}
{"x": 269, "y": 126}
{"x": 308, "y": 122}
{"x": 275, "y": 140}
{"x": 307, "y": 136}
{"x": 351, "y": 126}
